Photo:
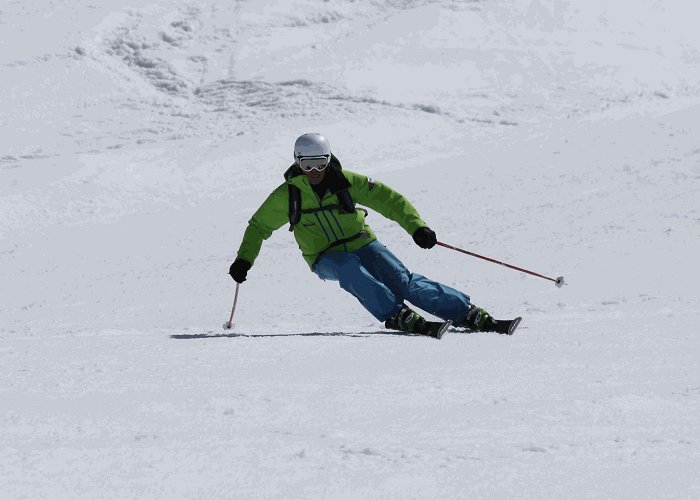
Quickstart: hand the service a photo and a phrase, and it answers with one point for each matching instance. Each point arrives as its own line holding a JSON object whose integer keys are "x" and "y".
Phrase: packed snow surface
{"x": 557, "y": 135}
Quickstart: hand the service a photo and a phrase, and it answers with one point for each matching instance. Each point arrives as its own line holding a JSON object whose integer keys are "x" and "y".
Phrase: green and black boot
{"x": 409, "y": 321}
{"x": 478, "y": 320}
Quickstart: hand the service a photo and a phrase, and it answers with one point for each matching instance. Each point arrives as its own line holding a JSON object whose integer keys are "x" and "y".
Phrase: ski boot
{"x": 478, "y": 320}
{"x": 409, "y": 321}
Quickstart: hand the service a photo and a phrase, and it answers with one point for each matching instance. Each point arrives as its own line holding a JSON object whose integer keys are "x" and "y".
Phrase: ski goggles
{"x": 309, "y": 163}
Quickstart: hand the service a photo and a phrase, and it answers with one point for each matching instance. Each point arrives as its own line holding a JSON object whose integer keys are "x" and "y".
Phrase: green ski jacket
{"x": 327, "y": 230}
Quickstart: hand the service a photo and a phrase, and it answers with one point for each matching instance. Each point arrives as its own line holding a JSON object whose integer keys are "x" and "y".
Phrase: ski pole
{"x": 227, "y": 325}
{"x": 558, "y": 281}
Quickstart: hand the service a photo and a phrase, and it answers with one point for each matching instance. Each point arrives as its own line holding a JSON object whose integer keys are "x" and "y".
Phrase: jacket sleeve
{"x": 272, "y": 215}
{"x": 391, "y": 204}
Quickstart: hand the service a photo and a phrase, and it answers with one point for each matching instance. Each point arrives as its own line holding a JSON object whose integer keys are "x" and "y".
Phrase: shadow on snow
{"x": 213, "y": 335}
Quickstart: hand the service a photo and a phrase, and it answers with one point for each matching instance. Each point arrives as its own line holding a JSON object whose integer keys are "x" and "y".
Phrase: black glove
{"x": 239, "y": 270}
{"x": 425, "y": 237}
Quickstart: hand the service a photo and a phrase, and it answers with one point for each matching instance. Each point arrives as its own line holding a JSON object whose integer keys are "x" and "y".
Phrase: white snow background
{"x": 137, "y": 141}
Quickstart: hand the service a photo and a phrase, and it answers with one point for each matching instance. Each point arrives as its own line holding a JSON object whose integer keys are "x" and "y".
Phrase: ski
{"x": 507, "y": 326}
{"x": 437, "y": 329}
{"x": 503, "y": 326}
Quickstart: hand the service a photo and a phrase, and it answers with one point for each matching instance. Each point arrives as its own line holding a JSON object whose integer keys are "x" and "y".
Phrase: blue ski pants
{"x": 381, "y": 282}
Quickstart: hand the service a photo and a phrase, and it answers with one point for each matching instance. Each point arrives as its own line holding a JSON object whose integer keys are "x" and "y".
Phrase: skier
{"x": 318, "y": 200}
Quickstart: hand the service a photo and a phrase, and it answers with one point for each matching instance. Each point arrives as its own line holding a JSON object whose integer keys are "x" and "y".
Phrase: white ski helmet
{"x": 312, "y": 145}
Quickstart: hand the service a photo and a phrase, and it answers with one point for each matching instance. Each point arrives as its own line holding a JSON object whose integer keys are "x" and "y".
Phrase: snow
{"x": 560, "y": 137}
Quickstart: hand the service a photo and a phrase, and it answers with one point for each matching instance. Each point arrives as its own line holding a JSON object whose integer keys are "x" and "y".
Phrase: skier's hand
{"x": 425, "y": 237}
{"x": 239, "y": 270}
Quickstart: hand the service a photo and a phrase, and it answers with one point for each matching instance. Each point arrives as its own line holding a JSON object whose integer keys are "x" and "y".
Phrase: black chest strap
{"x": 345, "y": 205}
{"x": 294, "y": 206}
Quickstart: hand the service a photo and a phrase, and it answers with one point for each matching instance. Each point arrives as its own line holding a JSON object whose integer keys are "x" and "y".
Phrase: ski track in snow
{"x": 137, "y": 142}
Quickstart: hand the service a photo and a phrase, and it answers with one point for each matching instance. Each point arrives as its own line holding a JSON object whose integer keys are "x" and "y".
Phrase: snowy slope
{"x": 137, "y": 142}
